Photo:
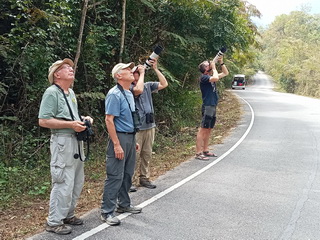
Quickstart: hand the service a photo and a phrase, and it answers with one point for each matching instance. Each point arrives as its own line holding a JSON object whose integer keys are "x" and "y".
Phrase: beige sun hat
{"x": 121, "y": 66}
{"x": 135, "y": 69}
{"x": 56, "y": 65}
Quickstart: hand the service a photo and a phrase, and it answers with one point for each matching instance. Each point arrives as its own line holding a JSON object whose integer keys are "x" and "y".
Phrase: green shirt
{"x": 53, "y": 105}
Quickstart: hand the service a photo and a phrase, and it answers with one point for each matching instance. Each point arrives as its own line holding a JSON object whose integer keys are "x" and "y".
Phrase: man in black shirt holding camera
{"x": 208, "y": 87}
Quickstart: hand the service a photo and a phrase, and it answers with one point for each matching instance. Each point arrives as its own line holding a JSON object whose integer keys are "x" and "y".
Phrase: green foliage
{"x": 179, "y": 109}
{"x": 17, "y": 181}
{"x": 40, "y": 190}
{"x": 34, "y": 34}
{"x": 290, "y": 56}
{"x": 19, "y": 146}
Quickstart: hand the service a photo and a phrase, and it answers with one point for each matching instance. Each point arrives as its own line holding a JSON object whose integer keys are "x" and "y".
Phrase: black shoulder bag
{"x": 81, "y": 136}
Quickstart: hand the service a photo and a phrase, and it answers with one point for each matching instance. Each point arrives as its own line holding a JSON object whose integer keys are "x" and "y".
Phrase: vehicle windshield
{"x": 238, "y": 79}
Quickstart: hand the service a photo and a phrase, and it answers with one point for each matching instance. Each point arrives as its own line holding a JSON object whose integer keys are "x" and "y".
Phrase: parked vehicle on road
{"x": 239, "y": 81}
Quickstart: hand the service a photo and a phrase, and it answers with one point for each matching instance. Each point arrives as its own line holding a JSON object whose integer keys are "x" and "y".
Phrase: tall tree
{"x": 123, "y": 29}
{"x": 83, "y": 20}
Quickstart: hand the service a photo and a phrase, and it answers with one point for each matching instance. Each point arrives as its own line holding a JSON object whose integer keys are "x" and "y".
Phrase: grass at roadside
{"x": 26, "y": 216}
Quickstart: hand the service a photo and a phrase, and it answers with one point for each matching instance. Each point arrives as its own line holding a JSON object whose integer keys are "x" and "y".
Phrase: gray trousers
{"x": 67, "y": 175}
{"x": 119, "y": 174}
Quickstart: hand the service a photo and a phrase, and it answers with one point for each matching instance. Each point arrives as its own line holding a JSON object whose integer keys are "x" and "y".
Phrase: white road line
{"x": 168, "y": 190}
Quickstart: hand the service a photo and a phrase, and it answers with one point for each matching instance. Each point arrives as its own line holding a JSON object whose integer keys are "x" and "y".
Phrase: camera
{"x": 136, "y": 120}
{"x": 155, "y": 55}
{"x": 220, "y": 53}
{"x": 87, "y": 133}
{"x": 149, "y": 118}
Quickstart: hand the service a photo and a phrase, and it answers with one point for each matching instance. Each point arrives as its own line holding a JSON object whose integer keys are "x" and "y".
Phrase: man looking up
{"x": 145, "y": 137}
{"x": 67, "y": 171}
{"x": 121, "y": 150}
{"x": 208, "y": 87}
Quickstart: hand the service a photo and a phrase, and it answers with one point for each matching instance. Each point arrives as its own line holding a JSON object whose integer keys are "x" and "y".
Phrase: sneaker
{"x": 147, "y": 184}
{"x": 60, "y": 229}
{"x": 130, "y": 209}
{"x": 133, "y": 189}
{"x": 73, "y": 221}
{"x": 110, "y": 219}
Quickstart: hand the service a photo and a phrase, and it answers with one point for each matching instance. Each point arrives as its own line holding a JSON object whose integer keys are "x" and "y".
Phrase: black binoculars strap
{"x": 122, "y": 91}
{"x": 72, "y": 116}
{"x": 65, "y": 97}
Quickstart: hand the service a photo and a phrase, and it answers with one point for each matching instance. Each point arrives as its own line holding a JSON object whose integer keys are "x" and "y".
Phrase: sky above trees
{"x": 272, "y": 8}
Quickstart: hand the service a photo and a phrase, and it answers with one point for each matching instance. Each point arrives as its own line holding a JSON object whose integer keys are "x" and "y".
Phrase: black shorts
{"x": 208, "y": 116}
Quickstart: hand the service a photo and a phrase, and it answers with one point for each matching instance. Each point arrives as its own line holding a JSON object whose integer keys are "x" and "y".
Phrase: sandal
{"x": 209, "y": 154}
{"x": 200, "y": 156}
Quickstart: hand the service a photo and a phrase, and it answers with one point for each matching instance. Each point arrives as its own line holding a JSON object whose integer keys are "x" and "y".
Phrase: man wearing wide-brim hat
{"x": 67, "y": 171}
{"x": 121, "y": 150}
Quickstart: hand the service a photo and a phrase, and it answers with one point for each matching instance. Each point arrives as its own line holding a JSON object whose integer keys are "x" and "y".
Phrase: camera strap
{"x": 122, "y": 91}
{"x": 65, "y": 97}
{"x": 77, "y": 155}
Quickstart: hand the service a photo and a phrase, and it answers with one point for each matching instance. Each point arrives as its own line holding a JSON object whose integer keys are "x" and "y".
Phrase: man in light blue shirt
{"x": 121, "y": 150}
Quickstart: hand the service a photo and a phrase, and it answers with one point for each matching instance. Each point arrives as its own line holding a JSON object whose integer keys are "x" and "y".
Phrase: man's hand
{"x": 141, "y": 69}
{"x": 154, "y": 63}
{"x": 220, "y": 59}
{"x": 118, "y": 151}
{"x": 224, "y": 69}
{"x": 78, "y": 126}
{"x": 137, "y": 147}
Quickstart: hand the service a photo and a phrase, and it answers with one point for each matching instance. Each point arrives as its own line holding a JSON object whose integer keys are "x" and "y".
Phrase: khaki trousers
{"x": 145, "y": 138}
{"x": 67, "y": 175}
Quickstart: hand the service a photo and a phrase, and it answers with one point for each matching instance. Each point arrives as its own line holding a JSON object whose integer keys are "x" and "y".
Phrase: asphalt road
{"x": 265, "y": 184}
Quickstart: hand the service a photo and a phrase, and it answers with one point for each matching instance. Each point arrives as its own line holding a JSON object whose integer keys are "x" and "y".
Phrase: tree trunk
{"x": 83, "y": 19}
{"x": 123, "y": 29}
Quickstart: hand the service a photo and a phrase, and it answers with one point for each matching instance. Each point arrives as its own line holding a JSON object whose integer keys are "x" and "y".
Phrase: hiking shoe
{"x": 73, "y": 221}
{"x": 147, "y": 184}
{"x": 130, "y": 209}
{"x": 60, "y": 229}
{"x": 110, "y": 219}
{"x": 133, "y": 189}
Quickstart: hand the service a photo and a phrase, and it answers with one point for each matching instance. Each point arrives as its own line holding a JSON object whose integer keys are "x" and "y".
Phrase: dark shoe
{"x": 133, "y": 189}
{"x": 60, "y": 229}
{"x": 209, "y": 154}
{"x": 130, "y": 209}
{"x": 73, "y": 221}
{"x": 110, "y": 219}
{"x": 147, "y": 184}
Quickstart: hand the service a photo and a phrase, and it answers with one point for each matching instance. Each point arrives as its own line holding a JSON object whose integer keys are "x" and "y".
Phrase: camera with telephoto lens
{"x": 87, "y": 133}
{"x": 149, "y": 118}
{"x": 220, "y": 53}
{"x": 154, "y": 55}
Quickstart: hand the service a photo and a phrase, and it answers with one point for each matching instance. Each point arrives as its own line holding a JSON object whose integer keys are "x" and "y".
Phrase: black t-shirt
{"x": 209, "y": 91}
